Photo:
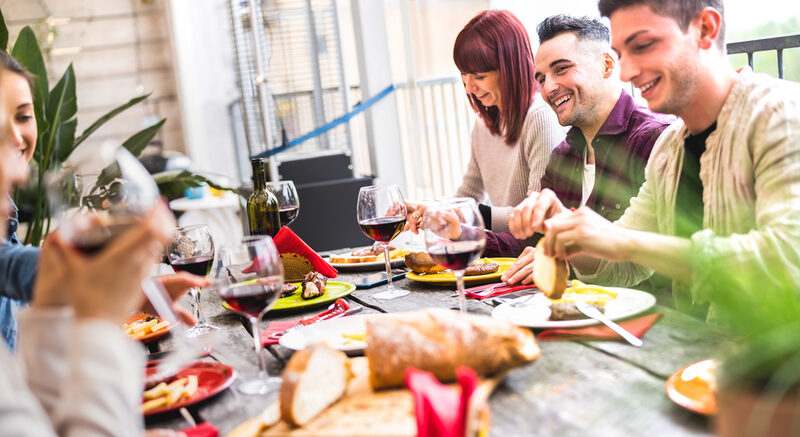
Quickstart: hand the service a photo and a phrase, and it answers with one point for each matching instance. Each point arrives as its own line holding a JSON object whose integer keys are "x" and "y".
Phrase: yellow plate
{"x": 333, "y": 290}
{"x": 447, "y": 278}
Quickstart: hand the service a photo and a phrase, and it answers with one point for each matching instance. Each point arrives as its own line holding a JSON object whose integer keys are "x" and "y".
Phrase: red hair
{"x": 497, "y": 40}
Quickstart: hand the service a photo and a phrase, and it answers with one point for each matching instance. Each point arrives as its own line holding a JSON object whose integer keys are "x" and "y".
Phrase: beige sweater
{"x": 751, "y": 197}
{"x": 506, "y": 174}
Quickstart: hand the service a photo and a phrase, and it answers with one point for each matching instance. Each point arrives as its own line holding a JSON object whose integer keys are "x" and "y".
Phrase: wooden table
{"x": 602, "y": 388}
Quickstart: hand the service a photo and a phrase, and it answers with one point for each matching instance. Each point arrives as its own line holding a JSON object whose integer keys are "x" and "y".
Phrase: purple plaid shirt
{"x": 622, "y": 147}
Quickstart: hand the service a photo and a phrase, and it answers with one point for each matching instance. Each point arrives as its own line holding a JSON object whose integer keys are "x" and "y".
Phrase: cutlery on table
{"x": 324, "y": 316}
{"x": 594, "y": 313}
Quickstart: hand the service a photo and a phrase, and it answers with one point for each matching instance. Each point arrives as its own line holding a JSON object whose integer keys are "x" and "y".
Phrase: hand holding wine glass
{"x": 249, "y": 278}
{"x": 381, "y": 213}
{"x": 288, "y": 201}
{"x": 454, "y": 237}
{"x": 192, "y": 251}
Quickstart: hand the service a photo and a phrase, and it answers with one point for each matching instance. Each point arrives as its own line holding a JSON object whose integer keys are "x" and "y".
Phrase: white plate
{"x": 628, "y": 303}
{"x": 372, "y": 265}
{"x": 329, "y": 331}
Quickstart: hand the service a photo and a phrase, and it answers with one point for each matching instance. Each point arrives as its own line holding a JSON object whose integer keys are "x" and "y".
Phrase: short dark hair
{"x": 586, "y": 28}
{"x": 682, "y": 11}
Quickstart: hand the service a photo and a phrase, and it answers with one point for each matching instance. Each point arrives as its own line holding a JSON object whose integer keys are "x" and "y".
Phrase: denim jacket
{"x": 18, "y": 265}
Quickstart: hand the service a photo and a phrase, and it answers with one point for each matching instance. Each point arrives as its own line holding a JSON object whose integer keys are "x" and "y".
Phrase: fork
{"x": 485, "y": 292}
{"x": 594, "y": 313}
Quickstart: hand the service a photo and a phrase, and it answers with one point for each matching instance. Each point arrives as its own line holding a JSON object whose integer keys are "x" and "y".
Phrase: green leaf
{"x": 64, "y": 142}
{"x": 108, "y": 116}
{"x": 26, "y": 51}
{"x": 3, "y": 32}
{"x": 62, "y": 97}
{"x": 174, "y": 183}
{"x": 138, "y": 141}
{"x": 135, "y": 144}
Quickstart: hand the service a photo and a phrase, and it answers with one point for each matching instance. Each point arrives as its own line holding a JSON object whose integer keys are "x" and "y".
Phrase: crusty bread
{"x": 550, "y": 274}
{"x": 439, "y": 340}
{"x": 314, "y": 378}
{"x": 421, "y": 262}
{"x": 295, "y": 267}
{"x": 481, "y": 268}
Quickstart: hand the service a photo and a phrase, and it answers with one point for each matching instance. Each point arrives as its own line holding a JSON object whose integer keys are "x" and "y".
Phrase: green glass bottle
{"x": 262, "y": 206}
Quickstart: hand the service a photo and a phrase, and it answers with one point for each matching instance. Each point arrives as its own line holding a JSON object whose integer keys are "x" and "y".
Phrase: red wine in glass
{"x": 288, "y": 214}
{"x": 456, "y": 256}
{"x": 94, "y": 239}
{"x": 383, "y": 229}
{"x": 250, "y": 298}
{"x": 199, "y": 265}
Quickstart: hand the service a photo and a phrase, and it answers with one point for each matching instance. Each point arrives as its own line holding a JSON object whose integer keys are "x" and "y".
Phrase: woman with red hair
{"x": 515, "y": 130}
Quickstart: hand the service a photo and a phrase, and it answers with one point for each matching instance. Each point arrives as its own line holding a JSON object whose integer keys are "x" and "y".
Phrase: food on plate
{"x": 369, "y": 254}
{"x": 422, "y": 263}
{"x": 295, "y": 267}
{"x": 593, "y": 295}
{"x": 288, "y": 289}
{"x": 167, "y": 394}
{"x": 568, "y": 311}
{"x": 313, "y": 285}
{"x": 550, "y": 274}
{"x": 140, "y": 328}
{"x": 315, "y": 378}
{"x": 439, "y": 340}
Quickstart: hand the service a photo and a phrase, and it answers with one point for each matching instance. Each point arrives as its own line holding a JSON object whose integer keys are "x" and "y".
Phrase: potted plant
{"x": 55, "y": 110}
{"x": 759, "y": 382}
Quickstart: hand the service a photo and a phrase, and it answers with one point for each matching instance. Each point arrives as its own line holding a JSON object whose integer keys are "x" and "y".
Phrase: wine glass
{"x": 98, "y": 194}
{"x": 454, "y": 237}
{"x": 288, "y": 202}
{"x": 192, "y": 251}
{"x": 249, "y": 278}
{"x": 381, "y": 213}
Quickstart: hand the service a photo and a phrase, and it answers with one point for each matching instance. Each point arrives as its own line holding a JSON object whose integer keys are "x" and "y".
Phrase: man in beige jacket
{"x": 737, "y": 141}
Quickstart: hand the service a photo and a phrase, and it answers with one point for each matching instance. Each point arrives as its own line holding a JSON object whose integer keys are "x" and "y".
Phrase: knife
{"x": 354, "y": 309}
{"x": 594, "y": 313}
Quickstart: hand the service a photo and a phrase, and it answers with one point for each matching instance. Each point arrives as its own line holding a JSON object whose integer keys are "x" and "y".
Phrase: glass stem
{"x": 462, "y": 298}
{"x": 262, "y": 359}
{"x": 198, "y": 307}
{"x": 388, "y": 264}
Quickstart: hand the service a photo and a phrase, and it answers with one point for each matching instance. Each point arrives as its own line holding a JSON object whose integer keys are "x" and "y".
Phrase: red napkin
{"x": 637, "y": 326}
{"x": 205, "y": 429}
{"x": 440, "y": 410}
{"x": 340, "y": 305}
{"x": 499, "y": 290}
{"x": 288, "y": 242}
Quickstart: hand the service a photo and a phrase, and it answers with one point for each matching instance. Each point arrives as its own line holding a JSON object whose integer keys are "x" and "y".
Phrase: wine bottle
{"x": 262, "y": 206}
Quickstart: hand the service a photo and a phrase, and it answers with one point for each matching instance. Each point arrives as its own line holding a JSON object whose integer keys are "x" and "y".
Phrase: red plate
{"x": 153, "y": 335}
{"x": 212, "y": 378}
{"x": 692, "y": 387}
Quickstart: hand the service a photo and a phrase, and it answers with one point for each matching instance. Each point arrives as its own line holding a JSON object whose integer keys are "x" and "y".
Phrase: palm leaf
{"x": 138, "y": 141}
{"x": 174, "y": 183}
{"x": 108, "y": 116}
{"x": 26, "y": 51}
{"x": 3, "y": 32}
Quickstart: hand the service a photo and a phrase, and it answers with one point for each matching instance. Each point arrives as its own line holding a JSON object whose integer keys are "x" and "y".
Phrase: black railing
{"x": 777, "y": 43}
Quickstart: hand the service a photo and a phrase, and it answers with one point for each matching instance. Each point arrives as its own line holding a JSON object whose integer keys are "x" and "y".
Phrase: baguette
{"x": 439, "y": 340}
{"x": 315, "y": 378}
{"x": 550, "y": 274}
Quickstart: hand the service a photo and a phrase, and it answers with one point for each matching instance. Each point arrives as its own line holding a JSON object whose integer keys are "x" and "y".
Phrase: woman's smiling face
{"x": 17, "y": 101}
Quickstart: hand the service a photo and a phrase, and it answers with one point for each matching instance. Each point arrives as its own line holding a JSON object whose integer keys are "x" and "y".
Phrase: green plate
{"x": 333, "y": 290}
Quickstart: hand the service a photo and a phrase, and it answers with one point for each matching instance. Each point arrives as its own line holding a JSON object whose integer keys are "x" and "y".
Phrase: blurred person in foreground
{"x": 515, "y": 131}
{"x": 719, "y": 211}
{"x": 77, "y": 374}
{"x": 601, "y": 162}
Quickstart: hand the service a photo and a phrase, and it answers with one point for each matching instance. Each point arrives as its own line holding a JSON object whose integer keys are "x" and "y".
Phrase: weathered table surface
{"x": 602, "y": 388}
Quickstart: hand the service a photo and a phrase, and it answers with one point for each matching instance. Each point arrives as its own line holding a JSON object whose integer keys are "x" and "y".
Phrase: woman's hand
{"x": 528, "y": 217}
{"x": 414, "y": 218}
{"x": 176, "y": 286}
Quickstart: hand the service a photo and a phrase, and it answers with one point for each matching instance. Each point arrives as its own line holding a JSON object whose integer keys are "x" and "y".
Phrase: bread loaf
{"x": 314, "y": 378}
{"x": 421, "y": 262}
{"x": 439, "y": 340}
{"x": 295, "y": 267}
{"x": 550, "y": 274}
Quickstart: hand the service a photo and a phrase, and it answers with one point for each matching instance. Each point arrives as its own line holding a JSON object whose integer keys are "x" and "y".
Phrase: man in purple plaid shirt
{"x": 601, "y": 162}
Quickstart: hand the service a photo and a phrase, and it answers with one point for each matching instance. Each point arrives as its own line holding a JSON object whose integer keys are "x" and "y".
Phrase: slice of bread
{"x": 550, "y": 274}
{"x": 315, "y": 378}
